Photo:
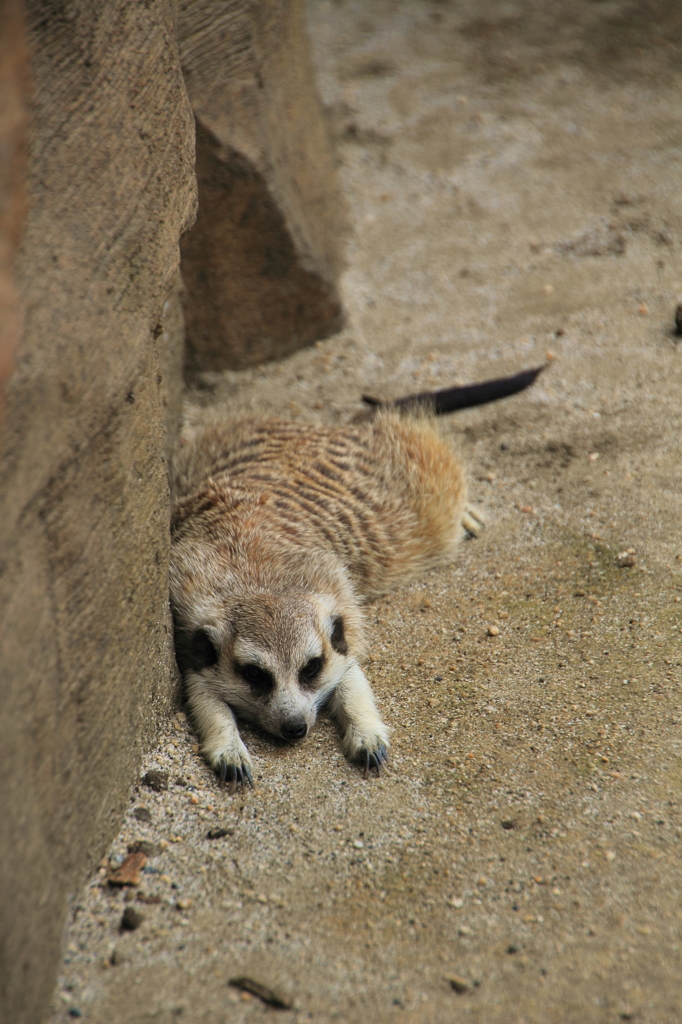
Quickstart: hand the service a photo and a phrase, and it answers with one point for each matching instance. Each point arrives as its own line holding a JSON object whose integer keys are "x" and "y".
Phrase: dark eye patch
{"x": 338, "y": 637}
{"x": 257, "y": 677}
{"x": 195, "y": 651}
{"x": 310, "y": 671}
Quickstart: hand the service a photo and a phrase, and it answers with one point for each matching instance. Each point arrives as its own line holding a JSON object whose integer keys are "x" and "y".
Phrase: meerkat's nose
{"x": 294, "y": 728}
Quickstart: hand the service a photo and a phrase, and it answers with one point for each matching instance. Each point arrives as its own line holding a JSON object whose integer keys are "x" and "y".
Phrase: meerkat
{"x": 280, "y": 532}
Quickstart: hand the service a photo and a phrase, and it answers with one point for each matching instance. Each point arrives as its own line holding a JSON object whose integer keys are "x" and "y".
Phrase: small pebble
{"x": 460, "y": 985}
{"x": 131, "y": 920}
{"x": 143, "y": 846}
{"x": 142, "y": 814}
{"x": 157, "y": 781}
{"x": 609, "y": 855}
{"x": 626, "y": 559}
{"x": 464, "y": 929}
{"x": 358, "y": 844}
{"x": 130, "y": 871}
{"x": 678, "y": 321}
{"x": 183, "y": 904}
{"x": 493, "y": 630}
{"x": 456, "y": 903}
{"x": 219, "y": 833}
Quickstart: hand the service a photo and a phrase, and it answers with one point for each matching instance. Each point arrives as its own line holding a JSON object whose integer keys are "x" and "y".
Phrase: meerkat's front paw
{"x": 365, "y": 737}
{"x": 232, "y": 764}
{"x": 370, "y": 748}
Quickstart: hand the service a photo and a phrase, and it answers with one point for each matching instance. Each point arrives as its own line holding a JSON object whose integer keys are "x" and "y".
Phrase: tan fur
{"x": 280, "y": 531}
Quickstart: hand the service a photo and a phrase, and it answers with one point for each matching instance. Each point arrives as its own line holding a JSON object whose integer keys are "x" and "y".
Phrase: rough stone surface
{"x": 14, "y": 100}
{"x": 261, "y": 264}
{"x": 527, "y": 837}
{"x": 169, "y": 335}
{"x": 84, "y": 627}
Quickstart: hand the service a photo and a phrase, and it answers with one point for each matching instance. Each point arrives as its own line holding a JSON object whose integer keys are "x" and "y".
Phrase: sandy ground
{"x": 514, "y": 177}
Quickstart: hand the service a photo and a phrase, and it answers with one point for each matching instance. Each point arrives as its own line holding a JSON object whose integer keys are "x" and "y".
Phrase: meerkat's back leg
{"x": 473, "y": 521}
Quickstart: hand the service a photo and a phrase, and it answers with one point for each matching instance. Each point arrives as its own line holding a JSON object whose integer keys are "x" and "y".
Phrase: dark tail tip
{"x": 453, "y": 399}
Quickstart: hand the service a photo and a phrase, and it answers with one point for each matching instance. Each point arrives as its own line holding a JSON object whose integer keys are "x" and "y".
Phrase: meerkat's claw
{"x": 374, "y": 759}
{"x": 237, "y": 776}
{"x": 377, "y": 759}
{"x": 473, "y": 521}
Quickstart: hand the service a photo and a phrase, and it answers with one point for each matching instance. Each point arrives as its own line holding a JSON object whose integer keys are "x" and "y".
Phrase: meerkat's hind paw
{"x": 473, "y": 521}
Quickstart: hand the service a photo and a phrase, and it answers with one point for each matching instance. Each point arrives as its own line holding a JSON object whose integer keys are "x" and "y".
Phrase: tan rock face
{"x": 84, "y": 628}
{"x": 14, "y": 97}
{"x": 261, "y": 264}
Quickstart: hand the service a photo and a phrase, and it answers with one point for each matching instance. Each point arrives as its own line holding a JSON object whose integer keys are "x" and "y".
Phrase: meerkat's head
{"x": 275, "y": 659}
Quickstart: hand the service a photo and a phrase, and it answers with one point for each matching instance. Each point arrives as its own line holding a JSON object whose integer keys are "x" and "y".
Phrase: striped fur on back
{"x": 386, "y": 498}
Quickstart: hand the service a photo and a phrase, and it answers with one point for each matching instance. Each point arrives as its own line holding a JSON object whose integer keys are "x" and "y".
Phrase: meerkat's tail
{"x": 453, "y": 399}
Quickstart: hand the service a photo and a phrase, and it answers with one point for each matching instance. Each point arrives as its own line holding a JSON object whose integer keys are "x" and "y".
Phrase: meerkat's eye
{"x": 311, "y": 670}
{"x": 256, "y": 676}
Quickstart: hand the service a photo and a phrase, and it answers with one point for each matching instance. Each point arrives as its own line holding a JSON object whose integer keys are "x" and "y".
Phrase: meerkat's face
{"x": 275, "y": 661}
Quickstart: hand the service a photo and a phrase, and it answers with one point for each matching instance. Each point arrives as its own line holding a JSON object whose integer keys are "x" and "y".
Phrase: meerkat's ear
{"x": 195, "y": 650}
{"x": 338, "y": 635}
{"x": 334, "y": 623}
